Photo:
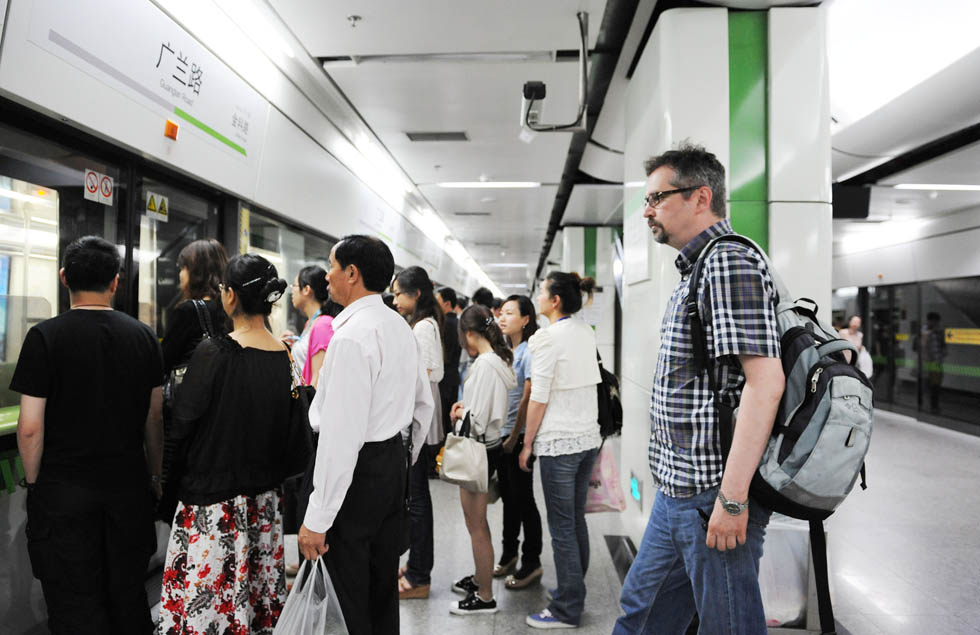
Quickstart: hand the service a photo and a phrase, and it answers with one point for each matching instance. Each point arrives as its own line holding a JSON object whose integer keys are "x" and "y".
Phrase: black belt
{"x": 395, "y": 439}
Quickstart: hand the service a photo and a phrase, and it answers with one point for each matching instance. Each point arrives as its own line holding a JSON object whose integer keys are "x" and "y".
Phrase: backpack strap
{"x": 699, "y": 339}
{"x": 838, "y": 346}
{"x": 204, "y": 318}
{"x": 818, "y": 547}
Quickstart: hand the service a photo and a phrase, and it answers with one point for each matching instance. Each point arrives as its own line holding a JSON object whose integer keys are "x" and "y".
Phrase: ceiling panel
{"x": 396, "y": 27}
{"x": 961, "y": 167}
{"x": 483, "y": 100}
{"x": 594, "y": 205}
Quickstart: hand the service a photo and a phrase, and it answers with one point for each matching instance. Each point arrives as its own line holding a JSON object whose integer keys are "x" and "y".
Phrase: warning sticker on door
{"x": 157, "y": 206}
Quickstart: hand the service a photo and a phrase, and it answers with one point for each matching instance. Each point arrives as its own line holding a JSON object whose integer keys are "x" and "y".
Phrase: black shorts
{"x": 494, "y": 456}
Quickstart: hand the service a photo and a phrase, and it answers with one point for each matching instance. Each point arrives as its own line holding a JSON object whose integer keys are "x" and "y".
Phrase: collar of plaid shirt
{"x": 688, "y": 256}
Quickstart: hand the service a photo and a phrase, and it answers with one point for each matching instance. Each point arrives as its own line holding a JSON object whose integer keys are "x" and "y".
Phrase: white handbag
{"x": 464, "y": 460}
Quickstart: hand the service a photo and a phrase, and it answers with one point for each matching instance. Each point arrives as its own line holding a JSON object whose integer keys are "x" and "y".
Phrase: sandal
{"x": 523, "y": 578}
{"x": 505, "y": 567}
{"x": 406, "y": 591}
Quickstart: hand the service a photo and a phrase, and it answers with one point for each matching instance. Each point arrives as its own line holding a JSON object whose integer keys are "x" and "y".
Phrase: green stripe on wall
{"x": 591, "y": 238}
{"x": 748, "y": 56}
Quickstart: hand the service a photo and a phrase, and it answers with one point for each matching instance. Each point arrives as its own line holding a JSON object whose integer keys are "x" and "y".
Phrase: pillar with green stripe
{"x": 748, "y": 61}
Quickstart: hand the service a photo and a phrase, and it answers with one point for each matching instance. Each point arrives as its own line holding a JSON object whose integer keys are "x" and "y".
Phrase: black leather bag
{"x": 176, "y": 376}
{"x": 300, "y": 454}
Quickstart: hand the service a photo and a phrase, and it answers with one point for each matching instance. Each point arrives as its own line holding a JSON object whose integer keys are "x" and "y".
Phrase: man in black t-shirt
{"x": 90, "y": 437}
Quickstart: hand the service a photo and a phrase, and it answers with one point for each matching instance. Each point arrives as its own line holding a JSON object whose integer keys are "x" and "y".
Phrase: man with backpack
{"x": 701, "y": 550}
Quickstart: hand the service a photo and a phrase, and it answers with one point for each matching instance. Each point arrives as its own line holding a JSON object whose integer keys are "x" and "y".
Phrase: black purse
{"x": 176, "y": 376}
{"x": 300, "y": 455}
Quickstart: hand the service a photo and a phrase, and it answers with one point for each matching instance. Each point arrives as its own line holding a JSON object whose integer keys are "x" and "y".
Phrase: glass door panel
{"x": 189, "y": 218}
{"x": 906, "y": 322}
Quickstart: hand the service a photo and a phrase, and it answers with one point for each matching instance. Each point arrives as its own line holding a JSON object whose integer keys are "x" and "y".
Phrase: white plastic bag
{"x": 783, "y": 571}
{"x": 312, "y": 607}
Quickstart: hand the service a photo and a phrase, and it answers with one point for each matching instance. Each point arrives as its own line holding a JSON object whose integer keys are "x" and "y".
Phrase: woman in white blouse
{"x": 415, "y": 299}
{"x": 563, "y": 431}
{"x": 485, "y": 395}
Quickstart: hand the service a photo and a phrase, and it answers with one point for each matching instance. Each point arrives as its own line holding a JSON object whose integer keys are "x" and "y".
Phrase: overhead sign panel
{"x": 143, "y": 54}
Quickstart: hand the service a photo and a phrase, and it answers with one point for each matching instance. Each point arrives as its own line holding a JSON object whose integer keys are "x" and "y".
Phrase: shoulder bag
{"x": 176, "y": 376}
{"x": 464, "y": 460}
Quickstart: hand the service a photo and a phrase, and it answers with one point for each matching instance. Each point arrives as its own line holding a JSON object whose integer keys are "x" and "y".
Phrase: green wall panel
{"x": 591, "y": 237}
{"x": 748, "y": 55}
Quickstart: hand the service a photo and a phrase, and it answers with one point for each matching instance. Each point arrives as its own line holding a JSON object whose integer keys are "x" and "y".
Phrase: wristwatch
{"x": 732, "y": 507}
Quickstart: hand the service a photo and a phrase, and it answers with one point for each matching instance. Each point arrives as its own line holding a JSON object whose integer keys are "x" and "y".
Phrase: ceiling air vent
{"x": 437, "y": 136}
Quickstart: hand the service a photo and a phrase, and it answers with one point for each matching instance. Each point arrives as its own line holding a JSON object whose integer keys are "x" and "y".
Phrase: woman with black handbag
{"x": 230, "y": 448}
{"x": 200, "y": 266}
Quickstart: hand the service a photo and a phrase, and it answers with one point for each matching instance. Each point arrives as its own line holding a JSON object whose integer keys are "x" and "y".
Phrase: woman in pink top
{"x": 314, "y": 279}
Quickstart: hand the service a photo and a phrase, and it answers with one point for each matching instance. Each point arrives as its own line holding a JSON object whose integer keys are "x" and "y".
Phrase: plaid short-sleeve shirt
{"x": 737, "y": 300}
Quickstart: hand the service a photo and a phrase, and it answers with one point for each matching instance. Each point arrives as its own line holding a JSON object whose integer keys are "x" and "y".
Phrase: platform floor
{"x": 904, "y": 555}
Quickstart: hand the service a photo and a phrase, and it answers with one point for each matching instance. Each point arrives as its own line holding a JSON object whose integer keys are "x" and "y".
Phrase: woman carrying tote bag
{"x": 485, "y": 392}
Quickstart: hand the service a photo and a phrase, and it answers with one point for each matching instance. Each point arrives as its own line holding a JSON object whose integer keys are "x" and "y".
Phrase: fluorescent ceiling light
{"x": 937, "y": 186}
{"x": 45, "y": 221}
{"x": 515, "y": 284}
{"x": 635, "y": 183}
{"x": 506, "y": 265}
{"x": 490, "y": 184}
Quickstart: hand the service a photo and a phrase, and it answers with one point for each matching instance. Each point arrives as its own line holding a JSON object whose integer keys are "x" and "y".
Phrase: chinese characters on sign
{"x": 189, "y": 77}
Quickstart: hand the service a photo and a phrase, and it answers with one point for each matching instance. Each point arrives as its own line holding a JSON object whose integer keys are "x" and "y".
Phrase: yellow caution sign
{"x": 968, "y": 337}
{"x": 157, "y": 207}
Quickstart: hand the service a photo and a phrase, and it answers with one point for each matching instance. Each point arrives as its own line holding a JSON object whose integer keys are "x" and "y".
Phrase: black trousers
{"x": 517, "y": 494}
{"x": 366, "y": 540}
{"x": 90, "y": 550}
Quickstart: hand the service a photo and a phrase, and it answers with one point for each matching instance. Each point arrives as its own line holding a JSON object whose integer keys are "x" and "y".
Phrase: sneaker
{"x": 545, "y": 619}
{"x": 524, "y": 577}
{"x": 473, "y": 604}
{"x": 466, "y": 586}
{"x": 505, "y": 567}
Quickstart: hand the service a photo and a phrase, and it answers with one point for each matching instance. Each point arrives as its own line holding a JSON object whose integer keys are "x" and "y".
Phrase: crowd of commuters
{"x": 102, "y": 455}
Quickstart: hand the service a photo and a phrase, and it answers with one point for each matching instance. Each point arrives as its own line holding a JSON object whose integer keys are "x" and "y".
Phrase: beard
{"x": 659, "y": 233}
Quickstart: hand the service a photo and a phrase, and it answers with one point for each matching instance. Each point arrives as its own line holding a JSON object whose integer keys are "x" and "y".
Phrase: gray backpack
{"x": 823, "y": 427}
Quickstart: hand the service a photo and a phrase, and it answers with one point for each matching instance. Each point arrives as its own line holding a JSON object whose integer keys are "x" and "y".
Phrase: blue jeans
{"x": 565, "y": 480}
{"x": 675, "y": 574}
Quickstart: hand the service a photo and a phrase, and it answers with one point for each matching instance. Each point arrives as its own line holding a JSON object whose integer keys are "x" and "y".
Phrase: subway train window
{"x": 171, "y": 219}
{"x": 289, "y": 249}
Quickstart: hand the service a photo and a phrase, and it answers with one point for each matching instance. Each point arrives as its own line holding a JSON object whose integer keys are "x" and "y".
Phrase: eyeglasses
{"x": 654, "y": 199}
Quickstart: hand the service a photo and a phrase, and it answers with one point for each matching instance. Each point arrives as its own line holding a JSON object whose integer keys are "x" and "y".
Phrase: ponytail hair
{"x": 315, "y": 277}
{"x": 256, "y": 282}
{"x": 570, "y": 287}
{"x": 479, "y": 319}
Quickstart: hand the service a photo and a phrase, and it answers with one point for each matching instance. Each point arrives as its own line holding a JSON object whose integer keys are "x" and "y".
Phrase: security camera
{"x": 532, "y": 103}
{"x": 532, "y": 106}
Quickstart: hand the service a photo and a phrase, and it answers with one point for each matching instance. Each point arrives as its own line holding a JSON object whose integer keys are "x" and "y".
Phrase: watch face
{"x": 732, "y": 508}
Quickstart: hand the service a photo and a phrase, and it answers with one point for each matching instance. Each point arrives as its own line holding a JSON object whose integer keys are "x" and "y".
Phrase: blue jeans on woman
{"x": 565, "y": 480}
{"x": 675, "y": 574}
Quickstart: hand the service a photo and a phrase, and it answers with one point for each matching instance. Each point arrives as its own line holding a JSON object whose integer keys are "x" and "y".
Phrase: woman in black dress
{"x": 228, "y": 454}
{"x": 201, "y": 265}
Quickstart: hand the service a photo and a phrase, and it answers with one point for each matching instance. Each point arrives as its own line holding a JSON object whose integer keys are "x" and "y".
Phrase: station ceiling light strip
{"x": 937, "y": 186}
{"x": 489, "y": 184}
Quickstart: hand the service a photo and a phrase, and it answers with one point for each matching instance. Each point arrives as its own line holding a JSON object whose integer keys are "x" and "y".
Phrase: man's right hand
{"x": 510, "y": 444}
{"x": 311, "y": 544}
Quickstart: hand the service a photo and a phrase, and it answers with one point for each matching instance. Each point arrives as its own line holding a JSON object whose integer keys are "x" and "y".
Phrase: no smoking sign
{"x": 99, "y": 187}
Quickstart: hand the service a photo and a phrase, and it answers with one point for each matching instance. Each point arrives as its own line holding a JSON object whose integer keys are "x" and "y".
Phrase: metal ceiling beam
{"x": 616, "y": 22}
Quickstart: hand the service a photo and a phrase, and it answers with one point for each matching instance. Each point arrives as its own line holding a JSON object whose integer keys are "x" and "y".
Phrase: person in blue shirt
{"x": 518, "y": 323}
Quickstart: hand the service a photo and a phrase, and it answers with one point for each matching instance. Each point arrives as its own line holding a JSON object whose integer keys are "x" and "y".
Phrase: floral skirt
{"x": 224, "y": 572}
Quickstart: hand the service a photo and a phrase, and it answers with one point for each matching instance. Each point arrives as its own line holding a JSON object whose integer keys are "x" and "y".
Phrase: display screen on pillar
{"x": 851, "y": 201}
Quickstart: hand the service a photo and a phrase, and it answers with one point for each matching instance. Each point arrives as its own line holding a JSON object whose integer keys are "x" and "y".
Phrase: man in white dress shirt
{"x": 372, "y": 386}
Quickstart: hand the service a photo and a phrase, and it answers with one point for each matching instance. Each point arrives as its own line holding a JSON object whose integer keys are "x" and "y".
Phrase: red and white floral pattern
{"x": 224, "y": 573}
